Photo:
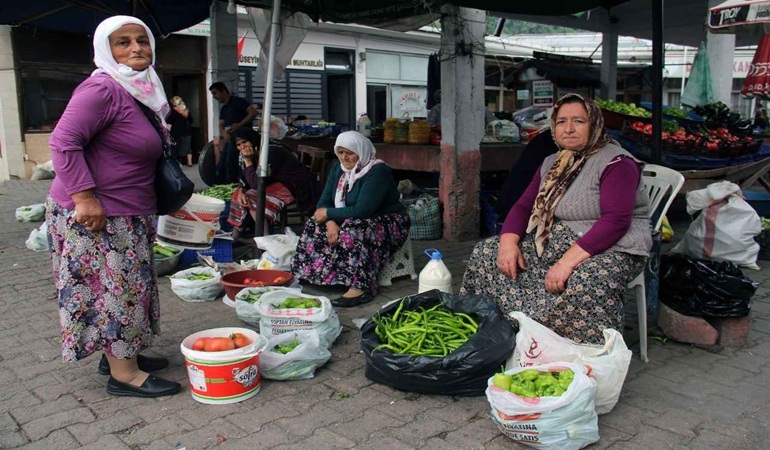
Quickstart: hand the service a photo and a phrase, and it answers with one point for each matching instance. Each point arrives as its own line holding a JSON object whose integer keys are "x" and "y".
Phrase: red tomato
{"x": 248, "y": 281}
{"x": 200, "y": 344}
{"x": 280, "y": 279}
{"x": 219, "y": 344}
{"x": 240, "y": 340}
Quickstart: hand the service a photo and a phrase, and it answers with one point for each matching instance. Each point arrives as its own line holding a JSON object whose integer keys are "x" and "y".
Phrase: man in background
{"x": 235, "y": 113}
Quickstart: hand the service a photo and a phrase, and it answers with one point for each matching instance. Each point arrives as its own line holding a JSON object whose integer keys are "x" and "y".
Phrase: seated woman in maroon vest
{"x": 576, "y": 237}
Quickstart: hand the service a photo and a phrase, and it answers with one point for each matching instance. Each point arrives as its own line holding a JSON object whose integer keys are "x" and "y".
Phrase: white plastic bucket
{"x": 193, "y": 226}
{"x": 218, "y": 378}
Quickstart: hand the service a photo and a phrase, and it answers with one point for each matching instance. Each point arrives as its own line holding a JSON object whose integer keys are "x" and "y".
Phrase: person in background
{"x": 524, "y": 170}
{"x": 180, "y": 121}
{"x": 434, "y": 115}
{"x": 358, "y": 226}
{"x": 101, "y": 211}
{"x": 288, "y": 181}
{"x": 576, "y": 237}
{"x": 760, "y": 119}
{"x": 236, "y": 113}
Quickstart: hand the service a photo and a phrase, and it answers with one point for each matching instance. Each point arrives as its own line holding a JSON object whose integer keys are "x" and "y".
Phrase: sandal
{"x": 347, "y": 302}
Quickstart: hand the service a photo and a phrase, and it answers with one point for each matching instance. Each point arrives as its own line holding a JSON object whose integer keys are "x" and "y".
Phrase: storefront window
{"x": 377, "y": 103}
{"x": 411, "y": 100}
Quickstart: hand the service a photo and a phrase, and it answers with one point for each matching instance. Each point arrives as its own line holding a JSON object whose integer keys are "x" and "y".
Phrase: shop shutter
{"x": 297, "y": 92}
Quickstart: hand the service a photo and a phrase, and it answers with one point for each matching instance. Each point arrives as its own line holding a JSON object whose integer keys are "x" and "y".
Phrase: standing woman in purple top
{"x": 576, "y": 237}
{"x": 101, "y": 211}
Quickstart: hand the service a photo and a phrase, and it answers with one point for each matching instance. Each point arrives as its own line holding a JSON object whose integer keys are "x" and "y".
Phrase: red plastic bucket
{"x": 218, "y": 378}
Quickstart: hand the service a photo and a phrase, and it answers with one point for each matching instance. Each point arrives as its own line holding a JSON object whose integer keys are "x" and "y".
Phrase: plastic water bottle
{"x": 364, "y": 125}
{"x": 435, "y": 275}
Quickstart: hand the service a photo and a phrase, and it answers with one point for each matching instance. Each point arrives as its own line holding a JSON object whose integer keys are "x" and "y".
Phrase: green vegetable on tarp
{"x": 298, "y": 302}
{"x": 251, "y": 297}
{"x": 434, "y": 332}
{"x": 532, "y": 383}
{"x": 285, "y": 348}
{"x": 222, "y": 191}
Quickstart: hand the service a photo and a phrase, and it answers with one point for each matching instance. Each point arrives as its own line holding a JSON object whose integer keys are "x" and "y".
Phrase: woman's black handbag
{"x": 172, "y": 187}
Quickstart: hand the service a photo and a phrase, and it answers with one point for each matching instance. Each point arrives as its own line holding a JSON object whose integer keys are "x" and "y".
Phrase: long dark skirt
{"x": 106, "y": 283}
{"x": 592, "y": 301}
{"x": 365, "y": 246}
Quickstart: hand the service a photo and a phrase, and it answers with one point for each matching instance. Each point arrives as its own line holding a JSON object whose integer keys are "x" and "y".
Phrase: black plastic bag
{"x": 463, "y": 372}
{"x": 700, "y": 288}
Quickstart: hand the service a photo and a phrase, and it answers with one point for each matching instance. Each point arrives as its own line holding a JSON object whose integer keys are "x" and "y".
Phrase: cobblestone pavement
{"x": 685, "y": 397}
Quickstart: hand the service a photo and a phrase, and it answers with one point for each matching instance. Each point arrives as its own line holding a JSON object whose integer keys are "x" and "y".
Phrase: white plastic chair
{"x": 661, "y": 184}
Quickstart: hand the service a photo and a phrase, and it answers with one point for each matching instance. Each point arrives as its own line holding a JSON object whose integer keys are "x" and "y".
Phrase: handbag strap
{"x": 165, "y": 137}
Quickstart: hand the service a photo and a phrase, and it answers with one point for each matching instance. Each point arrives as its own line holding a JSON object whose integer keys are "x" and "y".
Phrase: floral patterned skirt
{"x": 364, "y": 247}
{"x": 106, "y": 284}
{"x": 592, "y": 301}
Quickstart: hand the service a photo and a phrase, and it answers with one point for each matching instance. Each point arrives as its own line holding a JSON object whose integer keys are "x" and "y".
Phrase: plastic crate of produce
{"x": 221, "y": 251}
{"x": 760, "y": 201}
{"x": 615, "y": 120}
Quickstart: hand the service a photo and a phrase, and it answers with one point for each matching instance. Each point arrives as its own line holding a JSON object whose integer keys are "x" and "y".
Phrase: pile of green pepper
{"x": 434, "y": 332}
{"x": 298, "y": 302}
{"x": 222, "y": 191}
{"x": 163, "y": 252}
{"x": 198, "y": 276}
{"x": 285, "y": 348}
{"x": 532, "y": 383}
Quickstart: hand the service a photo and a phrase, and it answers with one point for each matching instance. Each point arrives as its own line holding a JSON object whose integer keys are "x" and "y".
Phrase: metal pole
{"x": 657, "y": 78}
{"x": 265, "y": 141}
{"x": 684, "y": 75}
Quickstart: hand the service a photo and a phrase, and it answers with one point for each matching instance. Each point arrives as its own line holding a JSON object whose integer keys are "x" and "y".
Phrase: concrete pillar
{"x": 721, "y": 51}
{"x": 462, "y": 119}
{"x": 11, "y": 146}
{"x": 609, "y": 70}
{"x": 223, "y": 48}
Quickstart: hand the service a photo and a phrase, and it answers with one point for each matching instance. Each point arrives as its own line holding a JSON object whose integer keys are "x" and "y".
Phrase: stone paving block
{"x": 92, "y": 432}
{"x": 43, "y": 426}
{"x": 652, "y": 438}
{"x": 114, "y": 404}
{"x": 144, "y": 435}
{"x": 199, "y": 415}
{"x": 608, "y": 436}
{"x": 503, "y": 442}
{"x": 761, "y": 325}
{"x": 163, "y": 406}
{"x": 323, "y": 438}
{"x": 319, "y": 416}
{"x": 270, "y": 436}
{"x": 407, "y": 408}
{"x": 107, "y": 442}
{"x": 625, "y": 418}
{"x": 349, "y": 385}
{"x": 733, "y": 331}
{"x": 29, "y": 412}
{"x": 693, "y": 330}
{"x": 59, "y": 439}
{"x": 728, "y": 376}
{"x": 255, "y": 419}
{"x": 745, "y": 360}
{"x": 7, "y": 423}
{"x": 457, "y": 412}
{"x": 12, "y": 439}
{"x": 385, "y": 443}
{"x": 471, "y": 434}
{"x": 421, "y": 428}
{"x": 362, "y": 428}
{"x": 45, "y": 380}
{"x": 680, "y": 422}
{"x": 309, "y": 395}
{"x": 211, "y": 435}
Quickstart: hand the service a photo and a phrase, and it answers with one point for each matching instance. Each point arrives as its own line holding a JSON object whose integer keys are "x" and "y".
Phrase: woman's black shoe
{"x": 146, "y": 364}
{"x": 347, "y": 302}
{"x": 152, "y": 387}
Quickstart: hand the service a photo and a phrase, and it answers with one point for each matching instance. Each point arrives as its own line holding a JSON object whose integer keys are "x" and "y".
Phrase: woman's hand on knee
{"x": 557, "y": 276}
{"x": 509, "y": 257}
{"x": 242, "y": 199}
{"x": 320, "y": 215}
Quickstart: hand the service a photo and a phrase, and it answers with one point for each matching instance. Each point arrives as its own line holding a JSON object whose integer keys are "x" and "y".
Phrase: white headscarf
{"x": 361, "y": 146}
{"x": 145, "y": 86}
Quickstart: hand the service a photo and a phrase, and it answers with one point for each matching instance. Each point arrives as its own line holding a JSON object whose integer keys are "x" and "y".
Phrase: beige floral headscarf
{"x": 564, "y": 170}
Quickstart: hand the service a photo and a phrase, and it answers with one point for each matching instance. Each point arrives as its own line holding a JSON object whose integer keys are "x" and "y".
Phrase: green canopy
{"x": 699, "y": 89}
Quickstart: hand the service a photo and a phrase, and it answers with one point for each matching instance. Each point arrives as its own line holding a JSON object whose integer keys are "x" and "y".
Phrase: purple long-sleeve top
{"x": 617, "y": 197}
{"x": 104, "y": 142}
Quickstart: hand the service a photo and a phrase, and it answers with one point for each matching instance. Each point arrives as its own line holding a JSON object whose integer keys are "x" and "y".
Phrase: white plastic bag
{"x": 31, "y": 213}
{"x": 725, "y": 229}
{"x": 568, "y": 421}
{"x": 608, "y": 363}
{"x": 38, "y": 239}
{"x": 279, "y": 250}
{"x": 248, "y": 311}
{"x": 43, "y": 171}
{"x": 197, "y": 290}
{"x": 276, "y": 321}
{"x": 298, "y": 364}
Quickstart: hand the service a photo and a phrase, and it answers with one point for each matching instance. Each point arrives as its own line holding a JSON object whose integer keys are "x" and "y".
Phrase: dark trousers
{"x": 227, "y": 167}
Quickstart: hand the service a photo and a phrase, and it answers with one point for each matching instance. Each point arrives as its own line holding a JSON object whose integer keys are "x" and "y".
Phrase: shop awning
{"x": 560, "y": 73}
{"x": 81, "y": 17}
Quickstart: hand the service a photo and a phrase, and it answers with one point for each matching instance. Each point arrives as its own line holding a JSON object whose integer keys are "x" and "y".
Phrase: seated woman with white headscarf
{"x": 358, "y": 226}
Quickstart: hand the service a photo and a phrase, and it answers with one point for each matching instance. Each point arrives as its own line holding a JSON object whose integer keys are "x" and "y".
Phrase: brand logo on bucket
{"x": 246, "y": 376}
{"x": 728, "y": 15}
